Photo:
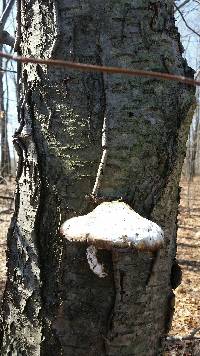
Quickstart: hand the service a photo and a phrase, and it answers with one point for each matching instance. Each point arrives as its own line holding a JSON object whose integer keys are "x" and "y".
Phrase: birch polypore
{"x": 113, "y": 225}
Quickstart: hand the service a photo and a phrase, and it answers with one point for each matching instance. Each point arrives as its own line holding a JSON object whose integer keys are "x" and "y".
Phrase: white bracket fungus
{"x": 112, "y": 225}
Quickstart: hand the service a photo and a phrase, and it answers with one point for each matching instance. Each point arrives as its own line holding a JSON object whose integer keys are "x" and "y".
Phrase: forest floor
{"x": 186, "y": 321}
{"x": 187, "y": 308}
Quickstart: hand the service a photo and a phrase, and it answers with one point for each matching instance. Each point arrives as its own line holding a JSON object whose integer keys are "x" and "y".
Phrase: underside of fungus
{"x": 112, "y": 225}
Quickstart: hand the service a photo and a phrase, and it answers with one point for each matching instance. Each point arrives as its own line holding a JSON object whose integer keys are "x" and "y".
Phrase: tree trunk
{"x": 5, "y": 152}
{"x": 53, "y": 303}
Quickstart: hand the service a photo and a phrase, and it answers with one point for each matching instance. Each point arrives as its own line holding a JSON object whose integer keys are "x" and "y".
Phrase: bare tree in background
{"x": 5, "y": 153}
{"x": 185, "y": 12}
{"x": 197, "y": 158}
{"x": 5, "y": 38}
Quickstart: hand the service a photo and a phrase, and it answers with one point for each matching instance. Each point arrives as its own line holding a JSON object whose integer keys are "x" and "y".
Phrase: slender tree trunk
{"x": 53, "y": 303}
{"x": 5, "y": 152}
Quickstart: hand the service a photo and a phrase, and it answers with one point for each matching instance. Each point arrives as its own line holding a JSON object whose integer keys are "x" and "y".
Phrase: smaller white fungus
{"x": 95, "y": 266}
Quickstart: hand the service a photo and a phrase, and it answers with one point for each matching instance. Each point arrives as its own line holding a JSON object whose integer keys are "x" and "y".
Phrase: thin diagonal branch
{"x": 185, "y": 337}
{"x": 5, "y": 37}
{"x": 6, "y": 13}
{"x": 102, "y": 69}
{"x": 185, "y": 22}
{"x": 181, "y": 5}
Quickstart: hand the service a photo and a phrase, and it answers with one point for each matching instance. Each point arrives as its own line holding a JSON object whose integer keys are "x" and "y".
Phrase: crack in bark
{"x": 102, "y": 165}
{"x": 122, "y": 292}
{"x": 57, "y": 31}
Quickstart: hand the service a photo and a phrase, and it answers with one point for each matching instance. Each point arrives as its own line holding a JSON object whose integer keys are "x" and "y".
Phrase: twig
{"x": 181, "y": 5}
{"x": 185, "y": 22}
{"x": 5, "y": 37}
{"x": 102, "y": 69}
{"x": 186, "y": 337}
{"x": 195, "y": 331}
{"x": 6, "y": 13}
{"x": 7, "y": 70}
{"x": 6, "y": 198}
{"x": 2, "y": 179}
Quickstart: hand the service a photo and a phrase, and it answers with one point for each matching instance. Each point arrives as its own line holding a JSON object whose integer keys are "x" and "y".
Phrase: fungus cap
{"x": 114, "y": 224}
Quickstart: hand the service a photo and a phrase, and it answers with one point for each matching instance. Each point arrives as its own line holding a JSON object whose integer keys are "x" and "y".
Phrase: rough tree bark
{"x": 53, "y": 303}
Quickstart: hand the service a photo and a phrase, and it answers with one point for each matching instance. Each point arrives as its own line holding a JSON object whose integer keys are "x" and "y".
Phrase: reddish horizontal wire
{"x": 103, "y": 69}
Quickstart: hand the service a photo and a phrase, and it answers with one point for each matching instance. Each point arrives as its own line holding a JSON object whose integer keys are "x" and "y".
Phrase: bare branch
{"x": 101, "y": 69}
{"x": 6, "y": 13}
{"x": 7, "y": 70}
{"x": 186, "y": 337}
{"x": 185, "y": 22}
{"x": 5, "y": 197}
{"x": 5, "y": 37}
{"x": 181, "y": 5}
